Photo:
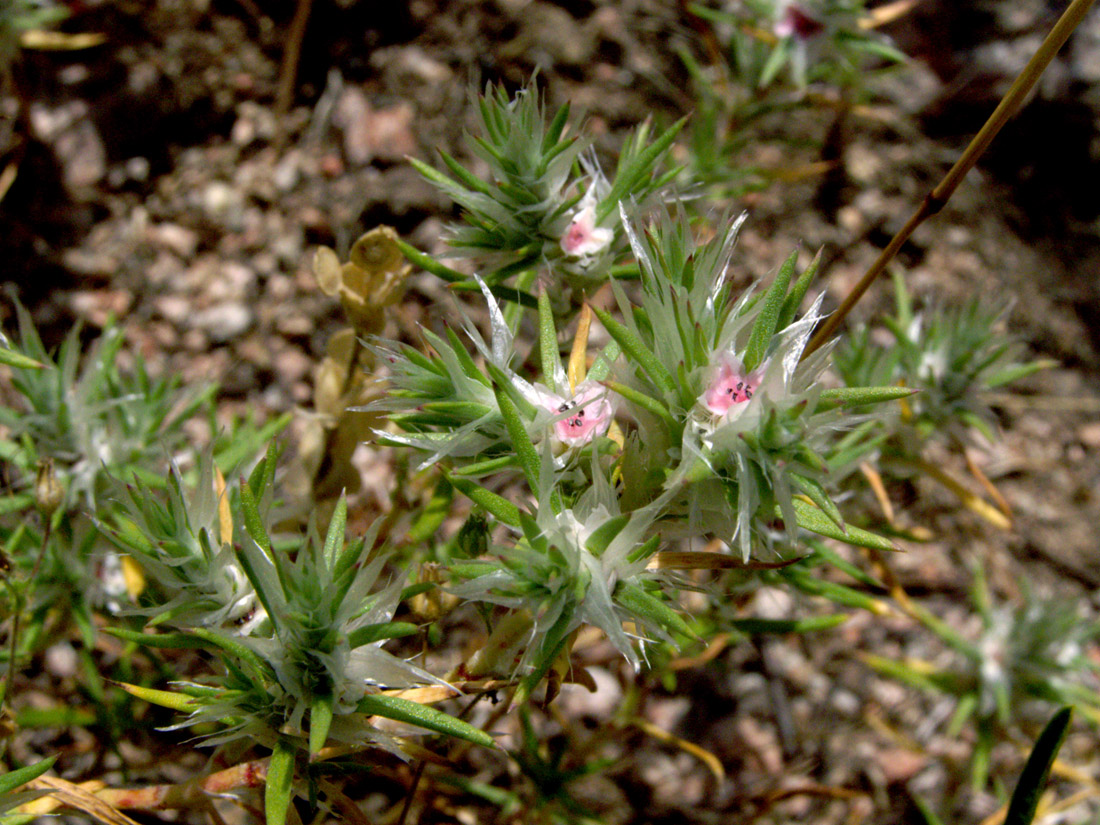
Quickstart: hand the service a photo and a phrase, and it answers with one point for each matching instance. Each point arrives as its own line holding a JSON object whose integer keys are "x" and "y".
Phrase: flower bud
{"x": 433, "y": 604}
{"x": 48, "y": 492}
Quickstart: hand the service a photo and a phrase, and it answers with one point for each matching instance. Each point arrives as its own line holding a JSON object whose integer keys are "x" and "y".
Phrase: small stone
{"x": 291, "y": 365}
{"x": 294, "y": 326}
{"x": 1090, "y": 435}
{"x": 371, "y": 133}
{"x": 287, "y": 172}
{"x": 61, "y": 660}
{"x": 82, "y": 154}
{"x": 223, "y": 204}
{"x": 332, "y": 166}
{"x": 99, "y": 306}
{"x": 175, "y": 308}
{"x": 900, "y": 765}
{"x": 577, "y": 701}
{"x": 181, "y": 240}
{"x": 223, "y": 322}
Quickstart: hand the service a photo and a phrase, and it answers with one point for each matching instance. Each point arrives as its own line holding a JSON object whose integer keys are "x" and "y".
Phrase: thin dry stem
{"x": 935, "y": 200}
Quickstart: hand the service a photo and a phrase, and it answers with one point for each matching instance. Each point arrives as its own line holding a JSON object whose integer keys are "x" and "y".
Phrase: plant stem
{"x": 935, "y": 200}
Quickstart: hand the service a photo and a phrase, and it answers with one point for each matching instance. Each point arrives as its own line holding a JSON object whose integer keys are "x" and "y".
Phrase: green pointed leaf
{"x": 651, "y": 609}
{"x": 601, "y": 367}
{"x": 167, "y": 641}
{"x": 253, "y": 521}
{"x": 434, "y": 176}
{"x": 521, "y": 442}
{"x": 777, "y": 59}
{"x": 280, "y": 783}
{"x": 490, "y": 501}
{"x": 334, "y": 538}
{"x": 555, "y": 129}
{"x": 412, "y": 713}
{"x": 1018, "y": 371}
{"x": 826, "y": 554}
{"x": 243, "y": 653}
{"x": 1033, "y": 780}
{"x": 470, "y": 180}
{"x": 548, "y": 342}
{"x": 320, "y": 722}
{"x": 936, "y": 681}
{"x": 859, "y": 396}
{"x": 385, "y": 630}
{"x": 833, "y": 591}
{"x": 816, "y": 521}
{"x": 502, "y": 381}
{"x": 603, "y": 535}
{"x": 632, "y": 345}
{"x": 644, "y": 401}
{"x": 627, "y": 180}
{"x": 162, "y": 698}
{"x": 18, "y": 360}
{"x": 644, "y": 550}
{"x": 794, "y": 300}
{"x": 820, "y": 497}
{"x": 756, "y": 627}
{"x": 764, "y": 327}
{"x": 429, "y": 264}
{"x": 434, "y": 513}
{"x": 21, "y": 776}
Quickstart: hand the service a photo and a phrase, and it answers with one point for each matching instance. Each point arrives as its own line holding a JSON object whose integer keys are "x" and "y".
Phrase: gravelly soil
{"x": 164, "y": 185}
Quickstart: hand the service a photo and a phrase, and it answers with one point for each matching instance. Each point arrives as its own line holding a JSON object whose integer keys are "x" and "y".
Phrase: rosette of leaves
{"x": 313, "y": 670}
{"x": 91, "y": 418}
{"x": 544, "y": 200}
{"x": 78, "y": 422}
{"x": 811, "y": 41}
{"x": 771, "y": 50}
{"x": 570, "y": 562}
{"x": 1025, "y": 658}
{"x": 451, "y": 407}
{"x": 952, "y": 355}
{"x": 183, "y": 541}
{"x": 730, "y": 416}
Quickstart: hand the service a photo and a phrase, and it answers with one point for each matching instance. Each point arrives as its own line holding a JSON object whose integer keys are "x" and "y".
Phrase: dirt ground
{"x": 177, "y": 177}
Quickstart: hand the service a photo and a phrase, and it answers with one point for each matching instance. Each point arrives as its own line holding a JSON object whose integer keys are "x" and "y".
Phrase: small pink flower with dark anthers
{"x": 582, "y": 238}
{"x": 795, "y": 21}
{"x": 584, "y": 416}
{"x": 730, "y": 387}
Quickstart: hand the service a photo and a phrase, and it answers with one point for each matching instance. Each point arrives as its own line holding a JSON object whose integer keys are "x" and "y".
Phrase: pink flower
{"x": 582, "y": 417}
{"x": 797, "y": 22}
{"x": 730, "y": 388}
{"x": 582, "y": 238}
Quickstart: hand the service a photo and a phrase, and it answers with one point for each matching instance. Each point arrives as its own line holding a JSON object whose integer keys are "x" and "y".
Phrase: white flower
{"x": 582, "y": 238}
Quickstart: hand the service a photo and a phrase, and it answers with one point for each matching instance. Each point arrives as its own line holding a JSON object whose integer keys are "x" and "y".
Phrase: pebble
{"x": 292, "y": 365}
{"x": 61, "y": 660}
{"x": 577, "y": 701}
{"x": 223, "y": 322}
{"x": 899, "y": 764}
{"x": 1090, "y": 435}
{"x": 179, "y": 239}
{"x": 370, "y": 133}
{"x": 175, "y": 308}
{"x": 99, "y": 306}
{"x": 223, "y": 204}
